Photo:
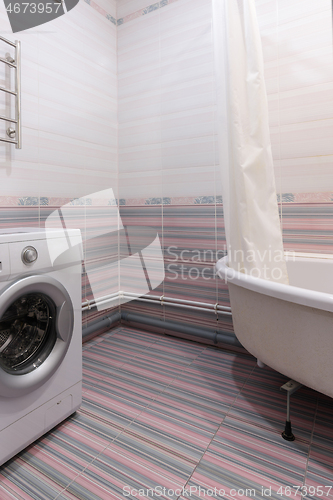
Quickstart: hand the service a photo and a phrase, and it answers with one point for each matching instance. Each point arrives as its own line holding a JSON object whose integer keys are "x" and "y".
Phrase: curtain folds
{"x": 252, "y": 223}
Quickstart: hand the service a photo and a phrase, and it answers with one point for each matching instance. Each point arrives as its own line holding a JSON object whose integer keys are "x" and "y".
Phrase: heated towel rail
{"x": 13, "y": 133}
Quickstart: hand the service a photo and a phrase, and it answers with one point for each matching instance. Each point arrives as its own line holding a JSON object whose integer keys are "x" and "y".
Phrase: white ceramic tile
{"x": 139, "y": 83}
{"x": 98, "y": 181}
{"x": 186, "y": 125}
{"x": 18, "y": 178}
{"x": 305, "y": 34}
{"x": 138, "y": 109}
{"x": 196, "y": 152}
{"x": 187, "y": 97}
{"x": 303, "y": 139}
{"x": 140, "y": 183}
{"x": 301, "y": 105}
{"x": 126, "y": 7}
{"x": 110, "y": 6}
{"x": 193, "y": 181}
{"x": 61, "y": 182}
{"x": 306, "y": 175}
{"x": 62, "y": 151}
{"x": 149, "y": 57}
{"x": 135, "y": 136}
{"x": 56, "y": 119}
{"x": 140, "y": 159}
{"x": 290, "y": 11}
{"x": 185, "y": 11}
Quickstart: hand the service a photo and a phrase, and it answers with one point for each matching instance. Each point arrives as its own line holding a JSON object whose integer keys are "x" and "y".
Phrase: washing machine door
{"x": 36, "y": 326}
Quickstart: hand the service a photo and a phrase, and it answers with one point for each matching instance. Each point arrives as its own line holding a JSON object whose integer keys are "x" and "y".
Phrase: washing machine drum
{"x": 36, "y": 326}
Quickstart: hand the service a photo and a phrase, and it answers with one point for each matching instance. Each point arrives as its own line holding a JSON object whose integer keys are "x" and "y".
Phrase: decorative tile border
{"x": 313, "y": 197}
{"x": 99, "y": 9}
{"x": 13, "y": 201}
{"x": 211, "y": 200}
{"x": 142, "y": 12}
{"x": 146, "y": 10}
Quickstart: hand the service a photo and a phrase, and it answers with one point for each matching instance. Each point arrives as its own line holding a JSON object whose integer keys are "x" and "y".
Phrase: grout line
{"x": 130, "y": 423}
{"x": 217, "y": 430}
{"x": 109, "y": 444}
{"x": 310, "y": 443}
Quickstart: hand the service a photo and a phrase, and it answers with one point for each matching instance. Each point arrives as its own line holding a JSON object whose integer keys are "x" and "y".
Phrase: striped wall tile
{"x": 145, "y": 309}
{"x": 196, "y": 218}
{"x": 189, "y": 246}
{"x": 190, "y": 281}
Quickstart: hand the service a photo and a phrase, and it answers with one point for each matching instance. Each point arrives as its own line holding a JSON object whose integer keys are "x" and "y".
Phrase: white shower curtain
{"x": 253, "y": 232}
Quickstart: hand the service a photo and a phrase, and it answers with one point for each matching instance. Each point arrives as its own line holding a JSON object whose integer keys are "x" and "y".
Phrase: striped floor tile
{"x": 27, "y": 482}
{"x": 192, "y": 412}
{"x": 164, "y": 412}
{"x": 193, "y": 384}
{"x": 244, "y": 457}
{"x": 318, "y": 486}
{"x": 124, "y": 385}
{"x": 262, "y": 403}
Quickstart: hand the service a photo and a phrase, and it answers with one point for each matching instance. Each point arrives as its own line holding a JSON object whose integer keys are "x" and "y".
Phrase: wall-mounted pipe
{"x": 174, "y": 326}
{"x": 106, "y": 322}
{"x": 181, "y": 301}
{"x": 154, "y": 299}
{"x": 184, "y": 306}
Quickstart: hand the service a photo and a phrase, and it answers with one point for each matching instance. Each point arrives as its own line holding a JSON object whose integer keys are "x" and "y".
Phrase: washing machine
{"x": 40, "y": 333}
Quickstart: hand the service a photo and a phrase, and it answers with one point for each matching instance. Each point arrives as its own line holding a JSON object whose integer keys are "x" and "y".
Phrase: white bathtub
{"x": 288, "y": 327}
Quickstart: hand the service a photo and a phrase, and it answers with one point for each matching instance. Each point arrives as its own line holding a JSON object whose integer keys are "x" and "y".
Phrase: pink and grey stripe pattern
{"x": 194, "y": 239}
{"x": 163, "y": 412}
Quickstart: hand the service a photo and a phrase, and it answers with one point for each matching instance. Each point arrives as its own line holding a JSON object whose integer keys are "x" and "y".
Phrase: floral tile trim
{"x": 81, "y": 201}
{"x": 158, "y": 201}
{"x": 285, "y": 197}
{"x": 33, "y": 201}
{"x": 142, "y": 12}
{"x": 45, "y": 201}
{"x": 212, "y": 200}
{"x": 313, "y": 197}
{"x": 99, "y": 9}
{"x": 146, "y": 10}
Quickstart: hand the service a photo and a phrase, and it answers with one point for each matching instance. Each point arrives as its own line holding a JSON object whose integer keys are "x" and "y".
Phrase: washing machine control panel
{"x": 29, "y": 255}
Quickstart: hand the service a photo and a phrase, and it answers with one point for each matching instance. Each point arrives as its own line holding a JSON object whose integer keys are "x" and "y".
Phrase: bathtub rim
{"x": 290, "y": 293}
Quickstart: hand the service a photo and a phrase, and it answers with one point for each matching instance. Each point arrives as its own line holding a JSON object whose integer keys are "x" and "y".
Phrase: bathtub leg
{"x": 290, "y": 387}
{"x": 288, "y": 433}
{"x": 260, "y": 363}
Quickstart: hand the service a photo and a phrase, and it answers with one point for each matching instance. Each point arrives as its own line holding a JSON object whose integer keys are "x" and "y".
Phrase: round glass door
{"x": 27, "y": 333}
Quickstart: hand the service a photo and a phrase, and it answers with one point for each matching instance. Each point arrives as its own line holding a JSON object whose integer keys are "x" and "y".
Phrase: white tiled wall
{"x": 166, "y": 101}
{"x": 166, "y": 97}
{"x": 69, "y": 117}
{"x": 69, "y": 107}
{"x": 297, "y": 41}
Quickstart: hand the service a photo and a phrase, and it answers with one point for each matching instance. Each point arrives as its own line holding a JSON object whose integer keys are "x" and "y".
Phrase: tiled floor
{"x": 182, "y": 419}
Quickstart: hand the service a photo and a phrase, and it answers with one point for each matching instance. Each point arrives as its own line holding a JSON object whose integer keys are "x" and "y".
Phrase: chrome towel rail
{"x": 14, "y": 134}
